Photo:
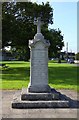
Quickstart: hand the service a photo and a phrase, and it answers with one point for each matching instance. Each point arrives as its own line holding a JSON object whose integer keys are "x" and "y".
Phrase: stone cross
{"x": 38, "y": 62}
{"x": 39, "y": 23}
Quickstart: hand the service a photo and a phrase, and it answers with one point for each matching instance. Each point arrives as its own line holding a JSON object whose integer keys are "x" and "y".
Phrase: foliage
{"x": 18, "y": 21}
{"x": 77, "y": 56}
{"x": 56, "y": 41}
{"x": 18, "y": 27}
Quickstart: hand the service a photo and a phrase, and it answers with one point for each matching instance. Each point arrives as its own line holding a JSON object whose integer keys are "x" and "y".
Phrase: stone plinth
{"x": 38, "y": 64}
{"x": 39, "y": 100}
{"x": 25, "y": 95}
{"x": 29, "y": 100}
{"x": 39, "y": 104}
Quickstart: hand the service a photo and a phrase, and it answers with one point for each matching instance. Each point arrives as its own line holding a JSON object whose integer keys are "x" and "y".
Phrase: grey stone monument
{"x": 39, "y": 94}
{"x": 39, "y": 62}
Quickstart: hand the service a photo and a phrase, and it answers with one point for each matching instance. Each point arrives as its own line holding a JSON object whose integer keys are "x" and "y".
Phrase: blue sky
{"x": 65, "y": 18}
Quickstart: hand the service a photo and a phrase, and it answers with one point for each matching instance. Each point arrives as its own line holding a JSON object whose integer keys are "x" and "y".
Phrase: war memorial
{"x": 39, "y": 94}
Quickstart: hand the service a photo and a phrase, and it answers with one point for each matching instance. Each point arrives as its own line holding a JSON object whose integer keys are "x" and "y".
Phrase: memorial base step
{"x": 27, "y": 100}
{"x": 25, "y": 95}
{"x": 39, "y": 104}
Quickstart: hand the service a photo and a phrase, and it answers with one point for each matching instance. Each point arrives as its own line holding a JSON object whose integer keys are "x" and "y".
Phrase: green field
{"x": 17, "y": 75}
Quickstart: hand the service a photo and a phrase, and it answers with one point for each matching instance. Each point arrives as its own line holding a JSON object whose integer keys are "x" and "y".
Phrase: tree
{"x": 18, "y": 27}
{"x": 56, "y": 41}
{"x": 77, "y": 56}
{"x": 19, "y": 17}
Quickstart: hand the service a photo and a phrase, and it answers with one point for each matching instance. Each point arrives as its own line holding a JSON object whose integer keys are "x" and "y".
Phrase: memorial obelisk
{"x": 38, "y": 61}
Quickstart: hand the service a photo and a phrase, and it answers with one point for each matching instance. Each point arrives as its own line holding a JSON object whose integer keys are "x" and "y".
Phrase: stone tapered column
{"x": 38, "y": 64}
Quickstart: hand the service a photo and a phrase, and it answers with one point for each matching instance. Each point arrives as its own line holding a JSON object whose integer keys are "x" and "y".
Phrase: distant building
{"x": 64, "y": 55}
{"x": 5, "y": 55}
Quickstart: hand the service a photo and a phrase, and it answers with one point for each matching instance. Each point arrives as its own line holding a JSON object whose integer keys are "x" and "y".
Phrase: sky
{"x": 65, "y": 18}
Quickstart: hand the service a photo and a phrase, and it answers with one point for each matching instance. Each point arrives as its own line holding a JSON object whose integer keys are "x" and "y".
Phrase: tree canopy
{"x": 77, "y": 56}
{"x": 18, "y": 27}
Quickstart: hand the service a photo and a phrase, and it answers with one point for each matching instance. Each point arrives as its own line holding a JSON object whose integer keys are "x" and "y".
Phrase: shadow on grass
{"x": 57, "y": 75}
{"x": 18, "y": 73}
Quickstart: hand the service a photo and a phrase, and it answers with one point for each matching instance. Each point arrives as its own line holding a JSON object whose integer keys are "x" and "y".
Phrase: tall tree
{"x": 18, "y": 21}
{"x": 18, "y": 27}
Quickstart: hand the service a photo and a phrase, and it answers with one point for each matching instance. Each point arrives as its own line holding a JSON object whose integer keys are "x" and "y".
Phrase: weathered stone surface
{"x": 39, "y": 65}
{"x": 39, "y": 88}
{"x": 39, "y": 61}
{"x": 39, "y": 96}
{"x": 39, "y": 104}
{"x": 39, "y": 100}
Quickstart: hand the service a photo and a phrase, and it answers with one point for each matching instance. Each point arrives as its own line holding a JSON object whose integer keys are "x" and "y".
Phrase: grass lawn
{"x": 17, "y": 75}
